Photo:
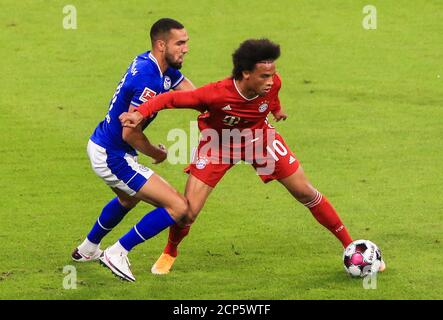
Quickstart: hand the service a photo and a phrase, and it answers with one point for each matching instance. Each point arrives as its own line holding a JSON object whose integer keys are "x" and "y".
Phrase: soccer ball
{"x": 362, "y": 258}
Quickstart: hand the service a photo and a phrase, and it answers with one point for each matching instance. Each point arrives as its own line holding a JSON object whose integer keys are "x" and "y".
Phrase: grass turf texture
{"x": 365, "y": 119}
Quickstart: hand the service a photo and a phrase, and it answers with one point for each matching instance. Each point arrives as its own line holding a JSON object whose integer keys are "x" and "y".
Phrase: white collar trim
{"x": 235, "y": 85}
{"x": 156, "y": 62}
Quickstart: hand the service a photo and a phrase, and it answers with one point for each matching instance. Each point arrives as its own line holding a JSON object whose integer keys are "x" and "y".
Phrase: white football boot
{"x": 81, "y": 254}
{"x": 118, "y": 264}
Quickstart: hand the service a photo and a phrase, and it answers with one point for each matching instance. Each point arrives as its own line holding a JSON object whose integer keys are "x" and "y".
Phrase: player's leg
{"x": 173, "y": 208}
{"x": 113, "y": 170}
{"x": 111, "y": 215}
{"x": 322, "y": 210}
{"x": 197, "y": 193}
{"x": 205, "y": 171}
{"x": 287, "y": 170}
{"x": 122, "y": 172}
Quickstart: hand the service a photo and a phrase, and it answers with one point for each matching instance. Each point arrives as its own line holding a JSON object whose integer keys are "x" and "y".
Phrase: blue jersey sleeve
{"x": 143, "y": 89}
{"x": 176, "y": 77}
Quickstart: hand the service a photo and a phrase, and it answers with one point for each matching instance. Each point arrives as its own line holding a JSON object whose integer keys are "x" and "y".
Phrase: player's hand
{"x": 131, "y": 119}
{"x": 280, "y": 115}
{"x": 161, "y": 154}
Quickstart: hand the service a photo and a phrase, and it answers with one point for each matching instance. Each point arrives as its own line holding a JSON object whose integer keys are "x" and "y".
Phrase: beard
{"x": 174, "y": 64}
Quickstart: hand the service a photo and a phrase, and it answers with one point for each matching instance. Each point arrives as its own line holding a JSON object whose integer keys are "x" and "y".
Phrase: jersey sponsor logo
{"x": 147, "y": 94}
{"x": 231, "y": 120}
{"x": 227, "y": 108}
{"x": 201, "y": 163}
{"x": 291, "y": 160}
{"x": 263, "y": 107}
{"x": 167, "y": 83}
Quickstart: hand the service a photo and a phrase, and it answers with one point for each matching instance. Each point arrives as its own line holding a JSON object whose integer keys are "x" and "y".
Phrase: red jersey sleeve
{"x": 197, "y": 99}
{"x": 275, "y": 103}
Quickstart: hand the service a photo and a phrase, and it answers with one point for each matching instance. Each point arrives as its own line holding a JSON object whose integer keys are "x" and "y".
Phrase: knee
{"x": 190, "y": 217}
{"x": 128, "y": 203}
{"x": 179, "y": 209}
{"x": 306, "y": 194}
{"x": 186, "y": 215}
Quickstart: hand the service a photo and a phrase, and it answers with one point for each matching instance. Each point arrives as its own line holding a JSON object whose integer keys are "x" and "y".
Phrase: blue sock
{"x": 111, "y": 215}
{"x": 150, "y": 225}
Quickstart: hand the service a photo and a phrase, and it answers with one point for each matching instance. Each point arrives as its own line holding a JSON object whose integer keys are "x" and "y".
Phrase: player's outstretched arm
{"x": 193, "y": 99}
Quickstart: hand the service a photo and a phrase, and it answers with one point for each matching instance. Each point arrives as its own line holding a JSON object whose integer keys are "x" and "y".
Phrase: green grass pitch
{"x": 365, "y": 119}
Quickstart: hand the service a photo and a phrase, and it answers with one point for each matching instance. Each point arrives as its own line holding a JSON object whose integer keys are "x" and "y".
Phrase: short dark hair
{"x": 251, "y": 52}
{"x": 162, "y": 27}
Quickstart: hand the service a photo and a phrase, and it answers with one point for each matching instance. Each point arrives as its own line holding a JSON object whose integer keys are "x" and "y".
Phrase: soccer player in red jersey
{"x": 238, "y": 106}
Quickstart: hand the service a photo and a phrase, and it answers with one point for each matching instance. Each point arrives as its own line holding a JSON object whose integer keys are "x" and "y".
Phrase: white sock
{"x": 117, "y": 249}
{"x": 88, "y": 247}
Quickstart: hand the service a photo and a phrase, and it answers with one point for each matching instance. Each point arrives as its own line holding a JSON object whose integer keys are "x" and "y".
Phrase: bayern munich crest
{"x": 201, "y": 163}
{"x": 263, "y": 107}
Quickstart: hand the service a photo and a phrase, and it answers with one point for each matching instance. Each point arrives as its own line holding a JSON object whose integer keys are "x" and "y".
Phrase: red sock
{"x": 176, "y": 235}
{"x": 326, "y": 215}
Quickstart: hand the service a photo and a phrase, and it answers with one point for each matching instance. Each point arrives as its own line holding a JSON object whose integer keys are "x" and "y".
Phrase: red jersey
{"x": 225, "y": 109}
{"x": 222, "y": 105}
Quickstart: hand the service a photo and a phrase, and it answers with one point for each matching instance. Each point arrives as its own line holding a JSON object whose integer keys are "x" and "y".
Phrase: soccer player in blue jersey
{"x": 112, "y": 152}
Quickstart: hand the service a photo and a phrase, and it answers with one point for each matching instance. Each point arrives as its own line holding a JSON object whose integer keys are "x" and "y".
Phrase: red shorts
{"x": 278, "y": 162}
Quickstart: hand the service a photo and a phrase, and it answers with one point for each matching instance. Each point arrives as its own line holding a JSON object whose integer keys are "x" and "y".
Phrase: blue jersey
{"x": 142, "y": 81}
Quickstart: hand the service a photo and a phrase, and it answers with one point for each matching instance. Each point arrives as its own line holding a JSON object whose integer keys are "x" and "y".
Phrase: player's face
{"x": 176, "y": 47}
{"x": 260, "y": 80}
